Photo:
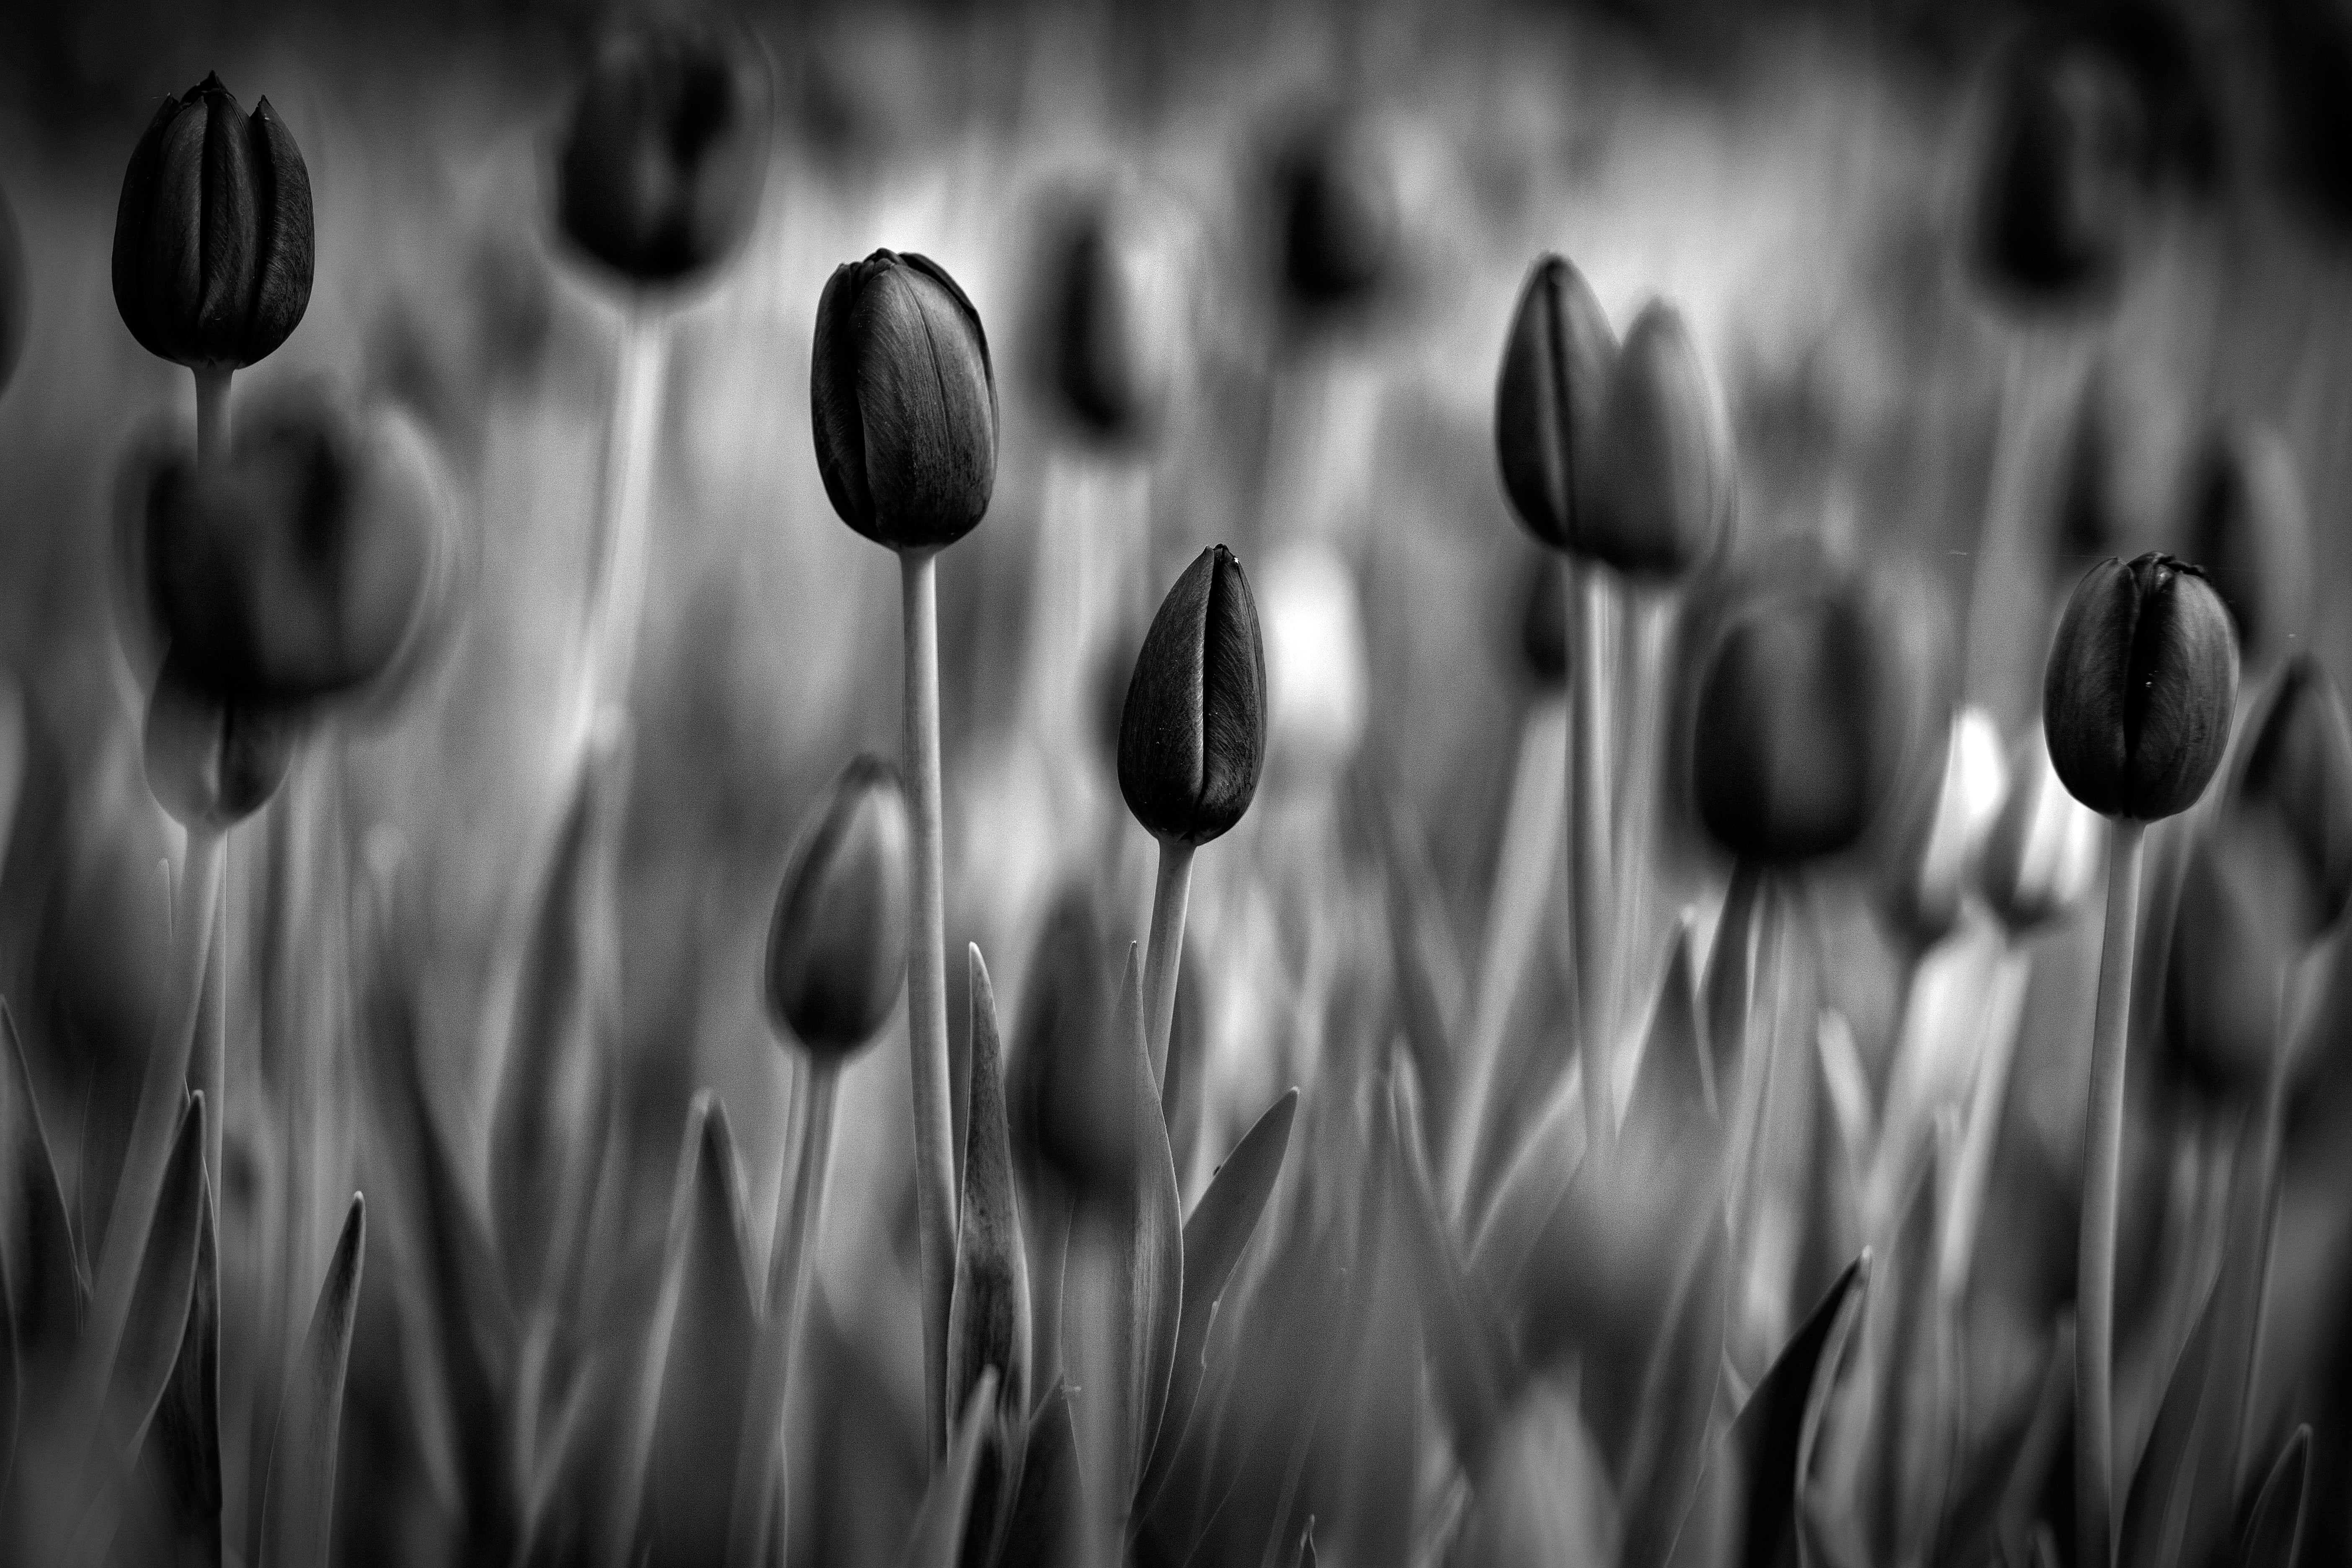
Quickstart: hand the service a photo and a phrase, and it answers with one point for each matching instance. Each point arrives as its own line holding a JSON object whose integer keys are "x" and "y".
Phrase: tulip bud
{"x": 2041, "y": 858}
{"x": 1543, "y": 625}
{"x": 1063, "y": 1020}
{"x": 1668, "y": 486}
{"x": 1933, "y": 860}
{"x": 837, "y": 941}
{"x": 2222, "y": 986}
{"x": 1549, "y": 404}
{"x": 904, "y": 402}
{"x": 2056, "y": 195}
{"x": 1192, "y": 735}
{"x": 12, "y": 293}
{"x": 2141, "y": 683}
{"x": 212, "y": 763}
{"x": 1811, "y": 700}
{"x": 2293, "y": 795}
{"x": 212, "y": 240}
{"x": 2248, "y": 531}
{"x": 297, "y": 569}
{"x": 1109, "y": 344}
{"x": 1315, "y": 658}
{"x": 662, "y": 165}
{"x": 1337, "y": 214}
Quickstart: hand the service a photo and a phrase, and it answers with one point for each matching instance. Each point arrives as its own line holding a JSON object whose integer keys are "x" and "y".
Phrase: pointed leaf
{"x": 184, "y": 1448}
{"x": 1150, "y": 1283}
{"x": 2274, "y": 1529}
{"x": 988, "y": 1315}
{"x": 1044, "y": 1509}
{"x": 937, "y": 1541}
{"x": 47, "y": 1284}
{"x": 691, "y": 1479}
{"x": 1678, "y": 1401}
{"x": 1730, "y": 985}
{"x": 298, "y": 1501}
{"x": 158, "y": 1317}
{"x": 1674, "y": 1087}
{"x": 1771, "y": 1438}
{"x": 1468, "y": 1349}
{"x": 2155, "y": 1519}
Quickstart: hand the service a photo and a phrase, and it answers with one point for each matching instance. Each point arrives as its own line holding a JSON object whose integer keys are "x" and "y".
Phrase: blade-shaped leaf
{"x": 1674, "y": 1086}
{"x": 298, "y": 1501}
{"x": 183, "y": 1450}
{"x": 1771, "y": 1438}
{"x": 689, "y": 1484}
{"x": 2274, "y": 1528}
{"x": 1730, "y": 983}
{"x": 2216, "y": 1505}
{"x": 937, "y": 1541}
{"x": 1044, "y": 1509}
{"x": 47, "y": 1281}
{"x": 1219, "y": 1227}
{"x": 1678, "y": 1403}
{"x": 1151, "y": 1276}
{"x": 158, "y": 1317}
{"x": 988, "y": 1315}
{"x": 1468, "y": 1349}
{"x": 2155, "y": 1519}
{"x": 1428, "y": 968}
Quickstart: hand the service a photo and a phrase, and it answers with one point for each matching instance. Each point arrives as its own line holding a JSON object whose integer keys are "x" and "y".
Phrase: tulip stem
{"x": 927, "y": 982}
{"x": 1589, "y": 881}
{"x": 212, "y": 416}
{"x": 791, "y": 1264}
{"x": 1168, "y": 900}
{"x": 2103, "y": 1146}
{"x": 617, "y": 591}
{"x": 207, "y": 1052}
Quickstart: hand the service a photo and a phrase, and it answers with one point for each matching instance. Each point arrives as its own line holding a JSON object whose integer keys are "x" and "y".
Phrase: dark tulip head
{"x": 1192, "y": 736}
{"x": 2140, "y": 686}
{"x": 212, "y": 243}
{"x": 837, "y": 942}
{"x": 2249, "y": 531}
{"x": 1668, "y": 481}
{"x": 2221, "y": 993}
{"x": 297, "y": 569}
{"x": 1543, "y": 625}
{"x": 1550, "y": 402}
{"x": 1070, "y": 1092}
{"x": 903, "y": 398}
{"x": 212, "y": 763}
{"x": 1336, "y": 214}
{"x": 2291, "y": 795}
{"x": 1106, "y": 342}
{"x": 662, "y": 163}
{"x": 12, "y": 292}
{"x": 1812, "y": 701}
{"x": 2053, "y": 202}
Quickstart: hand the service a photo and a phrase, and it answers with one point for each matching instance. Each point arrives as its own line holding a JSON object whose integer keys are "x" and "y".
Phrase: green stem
{"x": 927, "y": 982}
{"x": 1166, "y": 951}
{"x": 1590, "y": 882}
{"x": 2103, "y": 1147}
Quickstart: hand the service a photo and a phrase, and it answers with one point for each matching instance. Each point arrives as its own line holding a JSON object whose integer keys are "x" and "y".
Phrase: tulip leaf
{"x": 1467, "y": 1347}
{"x": 1427, "y": 967}
{"x": 184, "y": 1447}
{"x": 1150, "y": 1281}
{"x": 298, "y": 1501}
{"x": 2215, "y": 1507}
{"x": 47, "y": 1284}
{"x": 1679, "y": 1394}
{"x": 937, "y": 1541}
{"x": 157, "y": 1320}
{"x": 1731, "y": 973}
{"x": 1771, "y": 1438}
{"x": 1045, "y": 1507}
{"x": 2156, "y": 1517}
{"x": 2274, "y": 1528}
{"x": 1674, "y": 1087}
{"x": 713, "y": 1330}
{"x": 988, "y": 1313}
{"x": 1218, "y": 1229}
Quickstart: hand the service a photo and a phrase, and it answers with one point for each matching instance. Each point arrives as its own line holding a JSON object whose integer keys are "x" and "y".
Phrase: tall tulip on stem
{"x": 2137, "y": 704}
{"x": 903, "y": 400}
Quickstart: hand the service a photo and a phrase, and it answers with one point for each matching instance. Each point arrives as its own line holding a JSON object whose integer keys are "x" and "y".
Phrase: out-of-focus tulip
{"x": 1551, "y": 403}
{"x": 837, "y": 941}
{"x": 212, "y": 764}
{"x": 2053, "y": 207}
{"x": 1192, "y": 736}
{"x": 662, "y": 163}
{"x": 1933, "y": 861}
{"x": 12, "y": 292}
{"x": 1811, "y": 697}
{"x": 1543, "y": 625}
{"x": 2293, "y": 797}
{"x": 2087, "y": 527}
{"x": 1315, "y": 657}
{"x": 1543, "y": 1493}
{"x": 2222, "y": 986}
{"x": 1336, "y": 213}
{"x": 297, "y": 570}
{"x": 1110, "y": 336}
{"x": 1668, "y": 489}
{"x": 2248, "y": 531}
{"x": 2310, "y": 88}
{"x": 2141, "y": 683}
{"x": 213, "y": 242}
{"x": 904, "y": 403}
{"x": 2041, "y": 858}
{"x": 1064, "y": 1021}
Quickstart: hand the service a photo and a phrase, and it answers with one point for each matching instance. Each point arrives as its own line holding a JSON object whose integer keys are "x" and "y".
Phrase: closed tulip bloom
{"x": 2041, "y": 858}
{"x": 213, "y": 241}
{"x": 2140, "y": 686}
{"x": 1549, "y": 404}
{"x": 1063, "y": 1082}
{"x": 2293, "y": 795}
{"x": 1336, "y": 212}
{"x": 12, "y": 292}
{"x": 662, "y": 163}
{"x": 903, "y": 399}
{"x": 1109, "y": 339}
{"x": 2055, "y": 199}
{"x": 1668, "y": 482}
{"x": 2221, "y": 987}
{"x": 1192, "y": 736}
{"x": 299, "y": 568}
{"x": 2248, "y": 531}
{"x": 837, "y": 941}
{"x": 211, "y": 764}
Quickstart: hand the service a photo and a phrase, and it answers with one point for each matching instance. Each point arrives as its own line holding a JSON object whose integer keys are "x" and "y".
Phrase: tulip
{"x": 663, "y": 162}
{"x": 1336, "y": 212}
{"x": 12, "y": 292}
{"x": 1109, "y": 342}
{"x": 297, "y": 568}
{"x": 2055, "y": 198}
{"x": 211, "y": 764}
{"x": 2292, "y": 797}
{"x": 2141, "y": 683}
{"x": 1067, "y": 1094}
{"x": 1549, "y": 404}
{"x": 2223, "y": 1019}
{"x": 2248, "y": 531}
{"x": 2042, "y": 858}
{"x": 1191, "y": 743}
{"x": 837, "y": 955}
{"x": 1667, "y": 490}
{"x": 213, "y": 241}
{"x": 904, "y": 401}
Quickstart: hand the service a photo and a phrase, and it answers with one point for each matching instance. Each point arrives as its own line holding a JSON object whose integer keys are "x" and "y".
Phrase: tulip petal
{"x": 833, "y": 411}
{"x": 281, "y": 278}
{"x": 134, "y": 216}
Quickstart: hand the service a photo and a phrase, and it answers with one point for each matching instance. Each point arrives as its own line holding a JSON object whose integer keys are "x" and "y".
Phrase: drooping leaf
{"x": 46, "y": 1281}
{"x": 1468, "y": 1350}
{"x": 1044, "y": 1509}
{"x": 297, "y": 1506}
{"x": 1679, "y": 1394}
{"x": 988, "y": 1313}
{"x": 1770, "y": 1441}
{"x": 2274, "y": 1528}
{"x": 690, "y": 1480}
{"x": 2156, "y": 1517}
{"x": 1150, "y": 1281}
{"x": 937, "y": 1539}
